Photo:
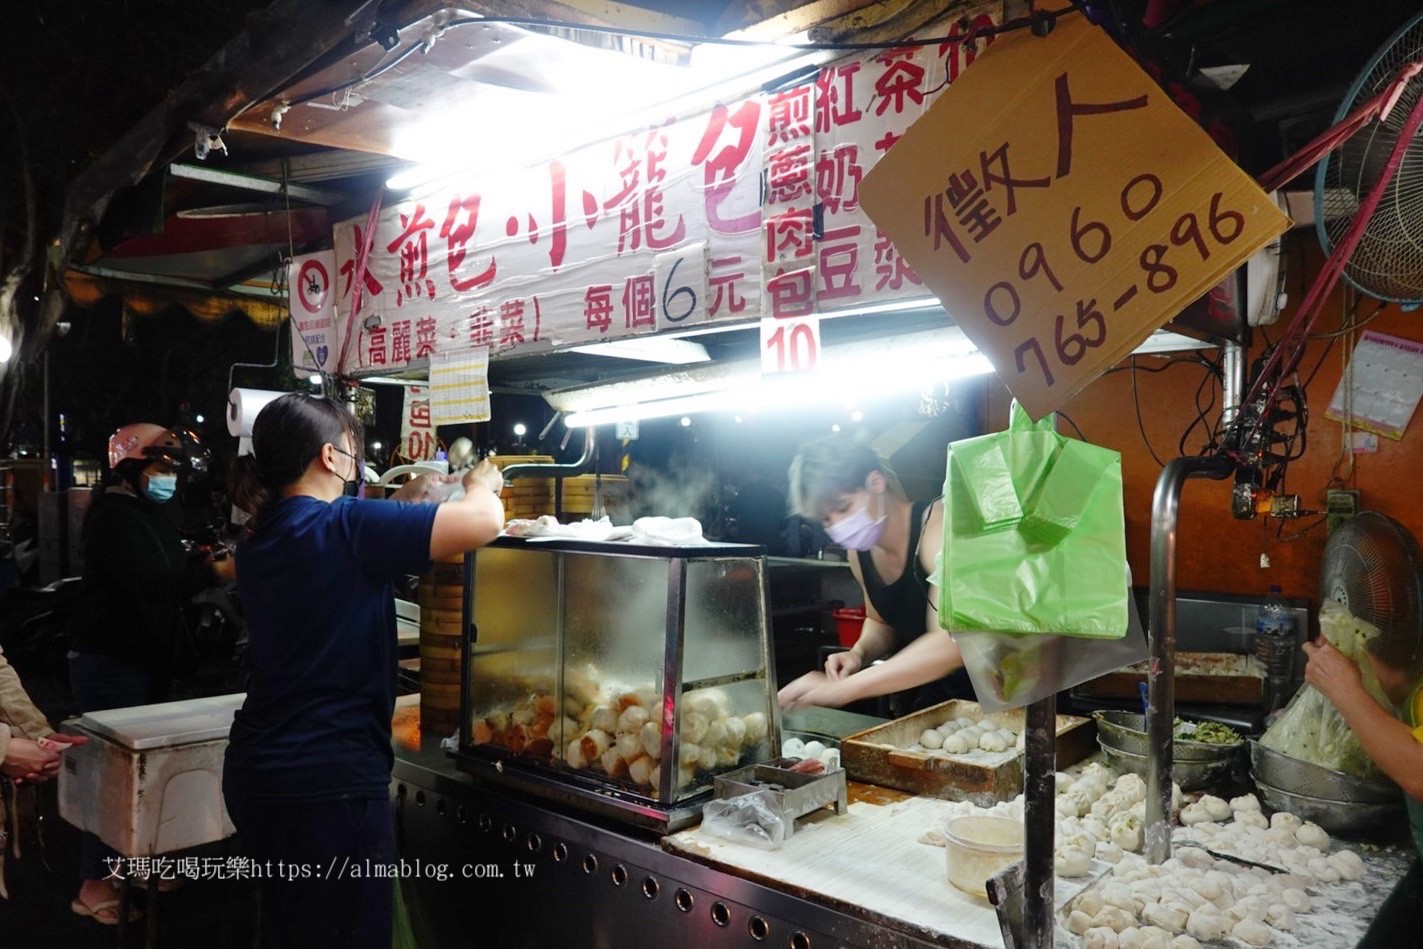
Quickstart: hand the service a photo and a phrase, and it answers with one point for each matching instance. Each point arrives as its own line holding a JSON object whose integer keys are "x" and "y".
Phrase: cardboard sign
{"x": 1063, "y": 208}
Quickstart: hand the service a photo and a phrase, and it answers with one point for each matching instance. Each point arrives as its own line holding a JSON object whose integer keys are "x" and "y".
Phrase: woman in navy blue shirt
{"x": 308, "y": 767}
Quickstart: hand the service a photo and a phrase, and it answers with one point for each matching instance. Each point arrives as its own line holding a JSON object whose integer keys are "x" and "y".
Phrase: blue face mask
{"x": 160, "y": 488}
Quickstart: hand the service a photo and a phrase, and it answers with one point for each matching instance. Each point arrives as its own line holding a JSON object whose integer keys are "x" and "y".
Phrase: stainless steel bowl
{"x": 1191, "y": 775}
{"x": 1293, "y": 776}
{"x": 1126, "y": 731}
{"x": 1337, "y": 817}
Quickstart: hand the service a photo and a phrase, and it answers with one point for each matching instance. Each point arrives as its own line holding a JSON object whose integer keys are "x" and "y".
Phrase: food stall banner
{"x": 313, "y": 309}
{"x": 1062, "y": 208}
{"x": 646, "y": 231}
{"x": 748, "y": 207}
{"x": 417, "y": 427}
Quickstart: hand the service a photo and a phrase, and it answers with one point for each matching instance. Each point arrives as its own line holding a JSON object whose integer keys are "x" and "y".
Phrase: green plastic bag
{"x": 1034, "y": 535}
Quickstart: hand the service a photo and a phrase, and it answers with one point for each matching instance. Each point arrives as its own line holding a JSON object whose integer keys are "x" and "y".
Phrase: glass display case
{"x": 619, "y": 678}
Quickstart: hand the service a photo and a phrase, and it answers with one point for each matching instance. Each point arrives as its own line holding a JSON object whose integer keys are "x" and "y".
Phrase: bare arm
{"x": 927, "y": 659}
{"x": 876, "y": 637}
{"x": 473, "y": 520}
{"x": 1388, "y": 741}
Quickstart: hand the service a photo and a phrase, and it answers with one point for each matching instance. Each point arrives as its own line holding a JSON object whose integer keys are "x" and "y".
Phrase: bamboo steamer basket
{"x": 441, "y": 599}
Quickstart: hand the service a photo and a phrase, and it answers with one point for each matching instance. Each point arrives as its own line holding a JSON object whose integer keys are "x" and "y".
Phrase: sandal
{"x": 105, "y": 913}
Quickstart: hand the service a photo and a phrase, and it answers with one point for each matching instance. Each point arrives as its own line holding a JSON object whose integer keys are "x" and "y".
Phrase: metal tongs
{"x": 1182, "y": 842}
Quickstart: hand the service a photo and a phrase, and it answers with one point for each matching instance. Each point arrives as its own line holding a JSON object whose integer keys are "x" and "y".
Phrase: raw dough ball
{"x": 1324, "y": 870}
{"x": 1073, "y": 862}
{"x": 1206, "y": 925}
{"x": 1246, "y": 802}
{"x": 1100, "y": 937}
{"x": 957, "y": 743}
{"x": 1167, "y": 917}
{"x": 1251, "y": 907}
{"x": 1108, "y": 851}
{"x": 1348, "y": 863}
{"x": 791, "y": 747}
{"x": 1252, "y": 932}
{"x": 1251, "y": 819}
{"x": 1114, "y": 918}
{"x": 993, "y": 741}
{"x": 1096, "y": 827}
{"x": 1089, "y": 902}
{"x": 1280, "y": 916}
{"x": 1194, "y": 814}
{"x": 1216, "y": 807}
{"x": 1286, "y": 820}
{"x": 1078, "y": 922}
{"x": 1130, "y": 938}
{"x": 1296, "y": 899}
{"x": 1126, "y": 833}
{"x": 1312, "y": 835}
{"x": 1154, "y": 937}
{"x": 931, "y": 739}
{"x": 1131, "y": 787}
{"x": 1184, "y": 942}
{"x": 1065, "y": 806}
{"x": 757, "y": 726}
{"x": 1118, "y": 895}
{"x": 1194, "y": 857}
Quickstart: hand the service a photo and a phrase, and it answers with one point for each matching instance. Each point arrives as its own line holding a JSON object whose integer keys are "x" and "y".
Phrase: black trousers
{"x": 320, "y": 864}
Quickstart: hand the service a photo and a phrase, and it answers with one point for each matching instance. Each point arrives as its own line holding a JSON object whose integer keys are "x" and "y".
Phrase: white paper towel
{"x": 243, "y": 406}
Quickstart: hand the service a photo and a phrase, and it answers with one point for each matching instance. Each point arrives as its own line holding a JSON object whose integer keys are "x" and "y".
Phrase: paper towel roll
{"x": 243, "y": 406}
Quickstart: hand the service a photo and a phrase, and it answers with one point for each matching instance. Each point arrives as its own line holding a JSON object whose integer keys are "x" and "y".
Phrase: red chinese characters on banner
{"x": 513, "y": 330}
{"x": 727, "y": 282}
{"x": 418, "y": 441}
{"x": 400, "y": 342}
{"x": 412, "y": 247}
{"x": 642, "y": 217}
{"x": 558, "y": 216}
{"x": 720, "y": 166}
{"x": 900, "y": 81}
{"x": 791, "y": 293}
{"x": 789, "y": 115}
{"x": 840, "y": 263}
{"x": 837, "y": 178}
{"x": 957, "y": 55}
{"x": 373, "y": 287}
{"x": 835, "y": 100}
{"x": 376, "y": 343}
{"x": 598, "y": 308}
{"x": 425, "y": 329}
{"x": 461, "y": 222}
{"x": 639, "y": 302}
{"x": 481, "y": 327}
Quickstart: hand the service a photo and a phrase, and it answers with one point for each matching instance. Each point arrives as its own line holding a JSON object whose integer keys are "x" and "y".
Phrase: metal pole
{"x": 1039, "y": 822}
{"x": 45, "y": 479}
{"x": 1233, "y": 364}
{"x": 1161, "y": 632}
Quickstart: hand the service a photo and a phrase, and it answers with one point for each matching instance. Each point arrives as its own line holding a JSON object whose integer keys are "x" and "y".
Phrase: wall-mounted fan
{"x": 1387, "y": 262}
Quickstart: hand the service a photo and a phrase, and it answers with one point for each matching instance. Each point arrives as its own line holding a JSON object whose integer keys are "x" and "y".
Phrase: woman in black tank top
{"x": 858, "y": 499}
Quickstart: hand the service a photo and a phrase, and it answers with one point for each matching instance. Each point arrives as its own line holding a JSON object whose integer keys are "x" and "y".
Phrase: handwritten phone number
{"x": 1090, "y": 240}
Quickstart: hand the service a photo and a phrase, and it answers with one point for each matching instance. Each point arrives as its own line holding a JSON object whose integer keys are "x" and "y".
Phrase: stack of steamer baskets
{"x": 441, "y": 608}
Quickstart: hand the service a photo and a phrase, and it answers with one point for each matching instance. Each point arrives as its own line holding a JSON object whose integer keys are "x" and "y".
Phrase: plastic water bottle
{"x": 1275, "y": 640}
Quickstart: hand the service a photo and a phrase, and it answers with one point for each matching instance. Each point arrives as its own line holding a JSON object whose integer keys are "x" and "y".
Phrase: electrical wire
{"x": 1141, "y": 425}
{"x": 1068, "y": 419}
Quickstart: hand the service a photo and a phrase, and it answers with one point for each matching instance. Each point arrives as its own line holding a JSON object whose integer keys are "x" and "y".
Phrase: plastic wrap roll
{"x": 243, "y": 406}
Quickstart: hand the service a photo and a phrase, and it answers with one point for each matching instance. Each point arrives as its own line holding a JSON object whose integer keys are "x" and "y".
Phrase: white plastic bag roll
{"x": 243, "y": 405}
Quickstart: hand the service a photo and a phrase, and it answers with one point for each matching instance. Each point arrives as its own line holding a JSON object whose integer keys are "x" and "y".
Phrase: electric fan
{"x": 1387, "y": 262}
{"x": 1373, "y": 568}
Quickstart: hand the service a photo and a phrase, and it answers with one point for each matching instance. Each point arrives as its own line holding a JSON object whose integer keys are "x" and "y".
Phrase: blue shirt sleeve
{"x": 389, "y": 539}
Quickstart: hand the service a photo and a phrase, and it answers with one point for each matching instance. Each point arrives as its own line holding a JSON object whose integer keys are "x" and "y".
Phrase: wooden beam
{"x": 889, "y": 21}
{"x": 750, "y": 20}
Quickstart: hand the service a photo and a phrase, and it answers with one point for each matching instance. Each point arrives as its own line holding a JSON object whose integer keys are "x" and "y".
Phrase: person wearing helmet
{"x": 306, "y": 776}
{"x": 127, "y": 628}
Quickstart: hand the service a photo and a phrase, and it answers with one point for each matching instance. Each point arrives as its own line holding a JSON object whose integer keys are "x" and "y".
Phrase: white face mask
{"x": 859, "y": 531}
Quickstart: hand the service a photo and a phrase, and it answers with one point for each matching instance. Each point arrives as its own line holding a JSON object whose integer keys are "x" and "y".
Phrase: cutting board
{"x": 868, "y": 864}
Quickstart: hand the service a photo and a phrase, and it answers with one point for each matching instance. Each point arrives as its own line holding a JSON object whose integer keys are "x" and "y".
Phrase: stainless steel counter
{"x": 521, "y": 873}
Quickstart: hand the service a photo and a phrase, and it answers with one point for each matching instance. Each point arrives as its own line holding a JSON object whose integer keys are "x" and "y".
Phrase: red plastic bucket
{"x": 848, "y": 622}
